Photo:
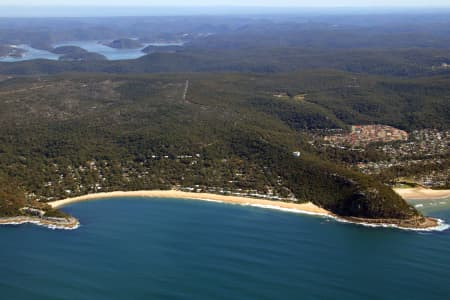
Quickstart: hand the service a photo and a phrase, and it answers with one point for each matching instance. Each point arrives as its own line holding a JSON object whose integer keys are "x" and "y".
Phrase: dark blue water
{"x": 178, "y": 249}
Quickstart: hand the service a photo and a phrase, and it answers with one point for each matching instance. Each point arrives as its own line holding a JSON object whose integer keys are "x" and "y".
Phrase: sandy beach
{"x": 307, "y": 208}
{"x": 421, "y": 193}
{"x": 427, "y": 224}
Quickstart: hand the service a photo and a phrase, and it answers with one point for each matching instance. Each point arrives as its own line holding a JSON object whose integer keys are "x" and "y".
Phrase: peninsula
{"x": 52, "y": 223}
{"x": 74, "y": 53}
{"x": 124, "y": 43}
{"x": 11, "y": 51}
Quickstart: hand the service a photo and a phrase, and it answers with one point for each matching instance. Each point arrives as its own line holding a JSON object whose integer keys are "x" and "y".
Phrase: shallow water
{"x": 434, "y": 206}
{"x": 179, "y": 249}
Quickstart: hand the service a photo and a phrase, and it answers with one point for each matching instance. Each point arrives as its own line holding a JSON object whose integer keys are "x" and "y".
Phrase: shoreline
{"x": 419, "y": 193}
{"x": 308, "y": 208}
{"x": 69, "y": 224}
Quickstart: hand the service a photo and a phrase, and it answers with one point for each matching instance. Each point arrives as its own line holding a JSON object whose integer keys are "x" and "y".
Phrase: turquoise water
{"x": 91, "y": 46}
{"x": 178, "y": 249}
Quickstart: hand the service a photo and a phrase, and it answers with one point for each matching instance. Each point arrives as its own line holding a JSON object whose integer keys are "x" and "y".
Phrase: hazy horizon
{"x": 47, "y": 10}
{"x": 253, "y": 3}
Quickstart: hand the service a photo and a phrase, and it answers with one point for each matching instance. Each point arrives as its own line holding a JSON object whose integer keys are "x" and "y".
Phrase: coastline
{"x": 424, "y": 224}
{"x": 68, "y": 224}
{"x": 419, "y": 193}
{"x": 306, "y": 208}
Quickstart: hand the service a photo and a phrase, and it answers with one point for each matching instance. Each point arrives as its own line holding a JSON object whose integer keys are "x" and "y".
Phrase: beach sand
{"x": 422, "y": 193}
{"x": 307, "y": 208}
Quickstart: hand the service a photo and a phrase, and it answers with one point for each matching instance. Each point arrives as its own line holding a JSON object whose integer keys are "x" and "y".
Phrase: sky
{"x": 275, "y": 3}
{"x": 106, "y": 8}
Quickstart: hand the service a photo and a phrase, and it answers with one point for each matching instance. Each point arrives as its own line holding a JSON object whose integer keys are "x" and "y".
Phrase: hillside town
{"x": 420, "y": 157}
{"x": 95, "y": 176}
{"x": 425, "y": 155}
{"x": 365, "y": 134}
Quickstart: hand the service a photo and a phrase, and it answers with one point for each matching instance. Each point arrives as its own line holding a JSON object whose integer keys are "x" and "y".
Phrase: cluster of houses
{"x": 32, "y": 211}
{"x": 425, "y": 142}
{"x": 425, "y": 148}
{"x": 68, "y": 180}
{"x": 251, "y": 193}
{"x": 365, "y": 134}
{"x": 41, "y": 214}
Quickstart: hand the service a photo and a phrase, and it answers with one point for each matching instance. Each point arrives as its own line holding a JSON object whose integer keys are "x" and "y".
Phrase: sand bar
{"x": 307, "y": 208}
{"x": 421, "y": 193}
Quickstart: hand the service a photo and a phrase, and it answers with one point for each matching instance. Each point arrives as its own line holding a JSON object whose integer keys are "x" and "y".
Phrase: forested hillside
{"x": 238, "y": 105}
{"x": 391, "y": 62}
{"x": 408, "y": 44}
{"x": 77, "y": 133}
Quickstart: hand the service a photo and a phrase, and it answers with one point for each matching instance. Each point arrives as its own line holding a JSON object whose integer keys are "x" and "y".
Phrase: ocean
{"x": 177, "y": 249}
